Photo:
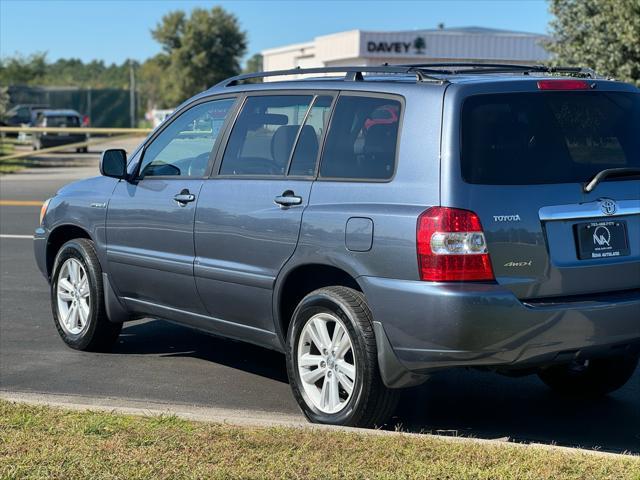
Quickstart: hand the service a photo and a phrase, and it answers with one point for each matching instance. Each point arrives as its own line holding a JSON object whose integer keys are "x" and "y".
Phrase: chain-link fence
{"x": 106, "y": 107}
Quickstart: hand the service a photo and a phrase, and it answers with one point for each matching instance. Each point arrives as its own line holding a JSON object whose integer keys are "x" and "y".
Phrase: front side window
{"x": 184, "y": 147}
{"x": 264, "y": 135}
{"x": 548, "y": 137}
{"x": 362, "y": 139}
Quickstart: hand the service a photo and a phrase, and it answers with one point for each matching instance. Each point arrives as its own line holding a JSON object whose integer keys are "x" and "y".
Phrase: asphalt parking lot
{"x": 162, "y": 362}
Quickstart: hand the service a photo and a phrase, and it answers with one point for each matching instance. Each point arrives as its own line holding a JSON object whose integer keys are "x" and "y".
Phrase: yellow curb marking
{"x": 20, "y": 203}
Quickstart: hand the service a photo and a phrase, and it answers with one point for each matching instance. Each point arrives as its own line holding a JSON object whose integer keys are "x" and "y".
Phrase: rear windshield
{"x": 548, "y": 137}
{"x": 63, "y": 121}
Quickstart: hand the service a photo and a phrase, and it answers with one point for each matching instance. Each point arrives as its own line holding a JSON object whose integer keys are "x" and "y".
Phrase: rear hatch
{"x": 519, "y": 156}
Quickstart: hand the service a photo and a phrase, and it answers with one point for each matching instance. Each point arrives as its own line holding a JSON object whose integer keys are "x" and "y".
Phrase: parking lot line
{"x": 20, "y": 203}
{"x": 24, "y": 237}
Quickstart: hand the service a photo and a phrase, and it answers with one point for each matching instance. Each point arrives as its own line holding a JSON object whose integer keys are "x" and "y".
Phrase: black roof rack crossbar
{"x": 452, "y": 68}
{"x": 351, "y": 73}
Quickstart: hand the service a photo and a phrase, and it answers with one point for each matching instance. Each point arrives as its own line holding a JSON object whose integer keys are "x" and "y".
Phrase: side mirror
{"x": 113, "y": 163}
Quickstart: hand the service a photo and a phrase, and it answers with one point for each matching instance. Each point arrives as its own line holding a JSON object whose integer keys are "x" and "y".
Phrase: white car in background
{"x": 156, "y": 117}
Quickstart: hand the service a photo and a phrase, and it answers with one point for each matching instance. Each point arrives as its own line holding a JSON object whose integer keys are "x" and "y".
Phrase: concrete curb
{"x": 253, "y": 418}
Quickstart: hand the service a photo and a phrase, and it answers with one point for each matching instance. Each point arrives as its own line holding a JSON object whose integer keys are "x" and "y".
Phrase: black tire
{"x": 371, "y": 403}
{"x": 594, "y": 378}
{"x": 100, "y": 334}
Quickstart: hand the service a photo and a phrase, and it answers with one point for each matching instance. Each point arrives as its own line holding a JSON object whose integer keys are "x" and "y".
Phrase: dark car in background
{"x": 59, "y": 119}
{"x": 23, "y": 114}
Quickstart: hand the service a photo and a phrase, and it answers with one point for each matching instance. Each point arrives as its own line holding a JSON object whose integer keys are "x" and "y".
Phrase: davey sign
{"x": 416, "y": 46}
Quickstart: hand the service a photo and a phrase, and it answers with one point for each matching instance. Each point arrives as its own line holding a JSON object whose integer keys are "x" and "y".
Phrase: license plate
{"x": 602, "y": 239}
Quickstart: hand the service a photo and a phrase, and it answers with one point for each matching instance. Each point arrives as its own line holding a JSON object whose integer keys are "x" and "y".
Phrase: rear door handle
{"x": 288, "y": 199}
{"x": 184, "y": 197}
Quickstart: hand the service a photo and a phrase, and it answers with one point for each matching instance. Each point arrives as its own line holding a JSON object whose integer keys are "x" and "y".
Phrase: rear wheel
{"x": 332, "y": 361}
{"x": 77, "y": 298}
{"x": 590, "y": 378}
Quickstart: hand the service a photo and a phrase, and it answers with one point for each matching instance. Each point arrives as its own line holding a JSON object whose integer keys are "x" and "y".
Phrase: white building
{"x": 358, "y": 47}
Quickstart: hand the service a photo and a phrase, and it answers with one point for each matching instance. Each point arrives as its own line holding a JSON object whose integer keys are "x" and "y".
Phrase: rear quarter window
{"x": 362, "y": 139}
{"x": 548, "y": 137}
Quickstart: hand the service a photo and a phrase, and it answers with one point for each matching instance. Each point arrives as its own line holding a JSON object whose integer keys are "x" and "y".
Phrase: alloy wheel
{"x": 74, "y": 297}
{"x": 326, "y": 363}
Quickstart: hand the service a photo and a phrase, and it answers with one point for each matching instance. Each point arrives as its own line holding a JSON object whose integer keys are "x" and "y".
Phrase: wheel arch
{"x": 60, "y": 235}
{"x": 299, "y": 280}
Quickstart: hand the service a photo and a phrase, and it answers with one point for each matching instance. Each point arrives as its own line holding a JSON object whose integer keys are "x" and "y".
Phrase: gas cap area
{"x": 359, "y": 234}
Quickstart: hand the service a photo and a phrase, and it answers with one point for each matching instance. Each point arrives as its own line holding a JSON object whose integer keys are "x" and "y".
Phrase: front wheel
{"x": 332, "y": 361}
{"x": 77, "y": 298}
{"x": 590, "y": 378}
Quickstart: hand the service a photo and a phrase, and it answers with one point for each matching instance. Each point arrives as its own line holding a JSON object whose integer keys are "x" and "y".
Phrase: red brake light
{"x": 451, "y": 246}
{"x": 563, "y": 85}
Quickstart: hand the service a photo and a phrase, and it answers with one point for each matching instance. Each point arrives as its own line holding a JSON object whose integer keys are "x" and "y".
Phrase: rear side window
{"x": 550, "y": 137}
{"x": 362, "y": 139}
{"x": 264, "y": 135}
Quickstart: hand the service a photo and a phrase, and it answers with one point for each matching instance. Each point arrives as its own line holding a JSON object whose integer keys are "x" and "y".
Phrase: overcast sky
{"x": 114, "y": 30}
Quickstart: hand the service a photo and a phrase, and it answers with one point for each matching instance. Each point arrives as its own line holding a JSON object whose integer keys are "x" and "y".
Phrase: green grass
{"x": 7, "y": 147}
{"x": 44, "y": 442}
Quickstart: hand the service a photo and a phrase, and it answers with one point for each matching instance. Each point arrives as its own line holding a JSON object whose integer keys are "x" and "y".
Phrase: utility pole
{"x": 89, "y": 112}
{"x": 132, "y": 95}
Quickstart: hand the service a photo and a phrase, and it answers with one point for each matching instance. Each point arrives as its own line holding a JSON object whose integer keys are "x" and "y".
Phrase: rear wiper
{"x": 609, "y": 173}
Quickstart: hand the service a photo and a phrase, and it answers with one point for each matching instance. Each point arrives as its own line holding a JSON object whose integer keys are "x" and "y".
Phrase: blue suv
{"x": 375, "y": 224}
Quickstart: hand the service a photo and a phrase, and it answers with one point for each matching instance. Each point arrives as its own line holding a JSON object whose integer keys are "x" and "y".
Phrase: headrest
{"x": 381, "y": 138}
{"x": 282, "y": 143}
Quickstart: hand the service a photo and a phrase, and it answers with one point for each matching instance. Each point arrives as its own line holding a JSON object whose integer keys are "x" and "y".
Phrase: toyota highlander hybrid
{"x": 375, "y": 224}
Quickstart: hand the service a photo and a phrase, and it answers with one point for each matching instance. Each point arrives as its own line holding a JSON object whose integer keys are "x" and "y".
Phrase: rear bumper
{"x": 432, "y": 326}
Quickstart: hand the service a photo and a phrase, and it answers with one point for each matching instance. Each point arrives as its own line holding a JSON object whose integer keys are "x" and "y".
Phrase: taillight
{"x": 85, "y": 121}
{"x": 451, "y": 246}
{"x": 563, "y": 85}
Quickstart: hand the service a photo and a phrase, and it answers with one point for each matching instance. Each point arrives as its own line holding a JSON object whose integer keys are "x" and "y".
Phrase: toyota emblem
{"x": 608, "y": 206}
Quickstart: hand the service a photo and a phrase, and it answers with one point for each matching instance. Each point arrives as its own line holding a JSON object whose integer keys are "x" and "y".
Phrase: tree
{"x": 4, "y": 101}
{"x": 603, "y": 34}
{"x": 23, "y": 70}
{"x": 36, "y": 70}
{"x": 152, "y": 82}
{"x": 254, "y": 64}
{"x": 199, "y": 51}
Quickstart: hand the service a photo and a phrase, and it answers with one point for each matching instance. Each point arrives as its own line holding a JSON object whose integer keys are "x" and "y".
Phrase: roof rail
{"x": 351, "y": 73}
{"x": 424, "y": 72}
{"x": 452, "y": 68}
